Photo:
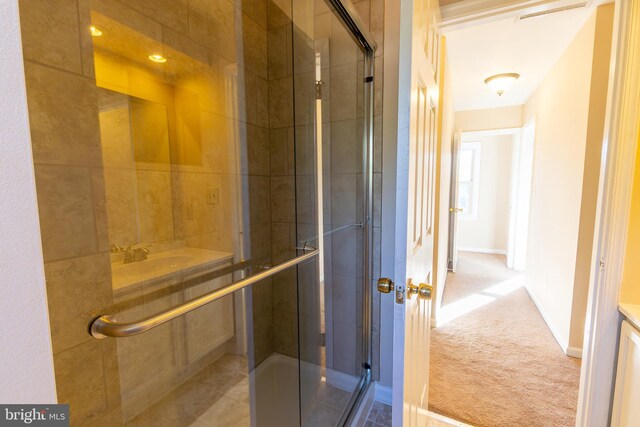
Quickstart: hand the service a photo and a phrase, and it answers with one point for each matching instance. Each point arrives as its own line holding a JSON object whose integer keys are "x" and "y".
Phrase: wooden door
{"x": 415, "y": 220}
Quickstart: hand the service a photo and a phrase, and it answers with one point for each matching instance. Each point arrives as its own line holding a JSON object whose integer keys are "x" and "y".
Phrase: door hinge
{"x": 368, "y": 79}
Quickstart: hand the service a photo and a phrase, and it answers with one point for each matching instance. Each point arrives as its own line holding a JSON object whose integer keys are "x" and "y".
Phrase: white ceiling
{"x": 529, "y": 47}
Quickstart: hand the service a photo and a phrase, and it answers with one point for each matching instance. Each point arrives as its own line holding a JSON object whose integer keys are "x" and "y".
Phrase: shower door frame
{"x": 345, "y": 10}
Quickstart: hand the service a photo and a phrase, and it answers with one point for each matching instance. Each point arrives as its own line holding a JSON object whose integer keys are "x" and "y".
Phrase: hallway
{"x": 494, "y": 362}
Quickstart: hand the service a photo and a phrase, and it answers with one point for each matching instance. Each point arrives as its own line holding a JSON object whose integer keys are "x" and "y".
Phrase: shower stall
{"x": 204, "y": 179}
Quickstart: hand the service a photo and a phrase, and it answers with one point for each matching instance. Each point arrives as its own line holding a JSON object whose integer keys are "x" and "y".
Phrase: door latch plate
{"x": 399, "y": 294}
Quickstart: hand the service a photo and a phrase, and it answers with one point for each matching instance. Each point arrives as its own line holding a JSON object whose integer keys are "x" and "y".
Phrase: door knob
{"x": 385, "y": 285}
{"x": 424, "y": 291}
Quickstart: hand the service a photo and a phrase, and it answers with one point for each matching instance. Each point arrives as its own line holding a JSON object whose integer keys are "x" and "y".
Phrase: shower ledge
{"x": 169, "y": 264}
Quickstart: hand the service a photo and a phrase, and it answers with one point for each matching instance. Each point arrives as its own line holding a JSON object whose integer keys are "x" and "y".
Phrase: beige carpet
{"x": 498, "y": 364}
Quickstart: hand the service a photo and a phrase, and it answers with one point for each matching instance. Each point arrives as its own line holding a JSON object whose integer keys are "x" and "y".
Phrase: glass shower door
{"x": 179, "y": 149}
{"x": 332, "y": 115}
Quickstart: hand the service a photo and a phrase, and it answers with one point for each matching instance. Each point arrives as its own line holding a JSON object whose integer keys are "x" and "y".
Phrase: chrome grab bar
{"x": 106, "y": 325}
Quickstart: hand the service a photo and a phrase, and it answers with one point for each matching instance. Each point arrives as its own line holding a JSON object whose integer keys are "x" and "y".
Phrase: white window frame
{"x": 476, "y": 148}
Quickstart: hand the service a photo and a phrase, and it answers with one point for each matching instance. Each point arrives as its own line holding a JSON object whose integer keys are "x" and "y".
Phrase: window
{"x": 468, "y": 180}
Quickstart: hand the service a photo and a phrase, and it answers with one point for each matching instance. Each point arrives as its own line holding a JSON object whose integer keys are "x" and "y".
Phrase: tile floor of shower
{"x": 219, "y": 395}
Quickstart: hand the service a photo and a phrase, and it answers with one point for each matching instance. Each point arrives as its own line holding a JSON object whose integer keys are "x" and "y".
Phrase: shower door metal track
{"x": 348, "y": 14}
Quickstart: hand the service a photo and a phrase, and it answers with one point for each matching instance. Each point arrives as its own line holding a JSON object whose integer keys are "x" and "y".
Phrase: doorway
{"x": 538, "y": 197}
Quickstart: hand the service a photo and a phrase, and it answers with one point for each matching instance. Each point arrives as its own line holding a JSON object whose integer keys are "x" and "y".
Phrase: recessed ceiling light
{"x": 501, "y": 82}
{"x": 158, "y": 58}
{"x": 94, "y": 31}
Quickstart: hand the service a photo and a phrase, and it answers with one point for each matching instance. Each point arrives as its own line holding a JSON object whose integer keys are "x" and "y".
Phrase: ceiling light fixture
{"x": 158, "y": 58}
{"x": 501, "y": 82}
{"x": 94, "y": 31}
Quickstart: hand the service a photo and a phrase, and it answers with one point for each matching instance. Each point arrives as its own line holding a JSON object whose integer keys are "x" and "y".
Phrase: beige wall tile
{"x": 260, "y": 241}
{"x": 378, "y": 83}
{"x": 283, "y": 241}
{"x": 344, "y": 147}
{"x": 343, "y": 92}
{"x": 78, "y": 289}
{"x": 305, "y": 150}
{"x": 283, "y": 199}
{"x": 63, "y": 114}
{"x": 80, "y": 381}
{"x": 66, "y": 211}
{"x": 278, "y": 13}
{"x": 172, "y": 13}
{"x": 224, "y": 34}
{"x": 281, "y": 151}
{"x": 343, "y": 50}
{"x": 364, "y": 10}
{"x": 122, "y": 203}
{"x": 285, "y": 291}
{"x": 279, "y": 55}
{"x": 304, "y": 53}
{"x": 194, "y": 213}
{"x": 285, "y": 326}
{"x": 194, "y": 52}
{"x": 259, "y": 200}
{"x": 218, "y": 144}
{"x": 262, "y": 324}
{"x": 281, "y": 103}
{"x": 255, "y": 47}
{"x": 115, "y": 136}
{"x": 305, "y": 98}
{"x": 100, "y": 210}
{"x": 377, "y": 199}
{"x": 377, "y": 25}
{"x": 377, "y": 246}
{"x": 344, "y": 302}
{"x": 344, "y": 348}
{"x": 377, "y": 144}
{"x": 155, "y": 206}
{"x": 344, "y": 254}
{"x": 255, "y": 107}
{"x": 306, "y": 206}
{"x": 262, "y": 103}
{"x": 343, "y": 199}
{"x": 50, "y": 33}
{"x": 258, "y": 150}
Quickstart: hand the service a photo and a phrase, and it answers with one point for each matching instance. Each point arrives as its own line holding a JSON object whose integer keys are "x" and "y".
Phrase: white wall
{"x": 26, "y": 360}
{"x": 489, "y": 231}
{"x": 391, "y": 49}
{"x": 569, "y": 126}
{"x": 443, "y": 183}
{"x": 489, "y": 119}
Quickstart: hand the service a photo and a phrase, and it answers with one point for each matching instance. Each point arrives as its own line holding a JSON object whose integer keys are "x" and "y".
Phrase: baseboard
{"x": 575, "y": 352}
{"x": 383, "y": 394}
{"x": 484, "y": 251}
{"x": 564, "y": 345}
